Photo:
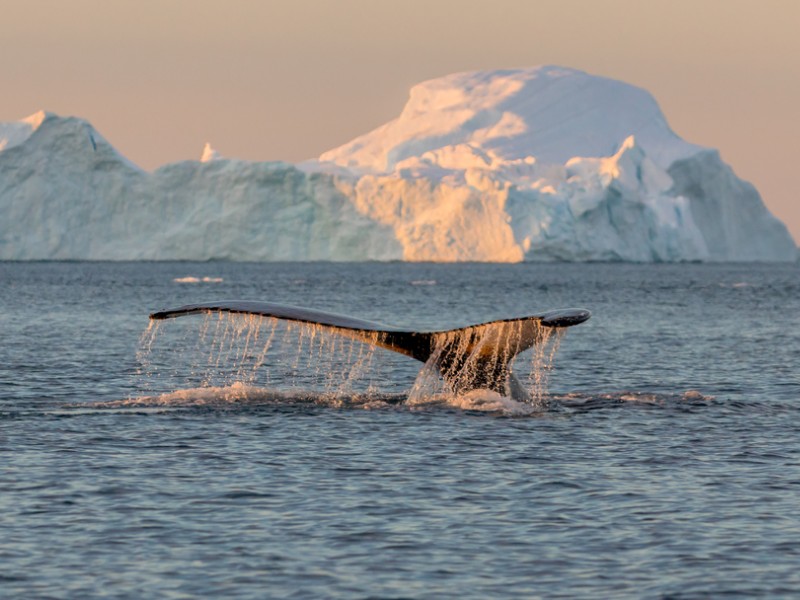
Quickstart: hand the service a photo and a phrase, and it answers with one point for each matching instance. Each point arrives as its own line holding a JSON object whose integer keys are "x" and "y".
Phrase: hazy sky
{"x": 266, "y": 80}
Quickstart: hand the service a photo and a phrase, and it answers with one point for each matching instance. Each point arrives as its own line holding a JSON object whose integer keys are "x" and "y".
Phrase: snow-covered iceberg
{"x": 545, "y": 163}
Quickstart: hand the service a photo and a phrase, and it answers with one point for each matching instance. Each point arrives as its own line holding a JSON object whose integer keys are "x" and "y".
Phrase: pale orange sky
{"x": 266, "y": 80}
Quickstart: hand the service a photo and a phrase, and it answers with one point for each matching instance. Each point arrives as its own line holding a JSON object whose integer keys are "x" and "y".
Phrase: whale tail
{"x": 474, "y": 357}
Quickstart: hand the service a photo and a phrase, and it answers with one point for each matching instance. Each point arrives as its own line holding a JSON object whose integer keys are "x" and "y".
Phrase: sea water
{"x": 190, "y": 462}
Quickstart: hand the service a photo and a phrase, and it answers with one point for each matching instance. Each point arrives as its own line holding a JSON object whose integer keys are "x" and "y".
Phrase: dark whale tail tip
{"x": 473, "y": 357}
{"x": 565, "y": 317}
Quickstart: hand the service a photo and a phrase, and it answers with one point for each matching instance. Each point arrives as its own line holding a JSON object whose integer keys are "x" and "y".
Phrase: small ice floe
{"x": 737, "y": 285}
{"x": 424, "y": 282}
{"x": 191, "y": 279}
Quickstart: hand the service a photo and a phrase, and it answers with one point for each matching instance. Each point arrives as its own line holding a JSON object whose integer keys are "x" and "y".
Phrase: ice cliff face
{"x": 65, "y": 193}
{"x": 530, "y": 164}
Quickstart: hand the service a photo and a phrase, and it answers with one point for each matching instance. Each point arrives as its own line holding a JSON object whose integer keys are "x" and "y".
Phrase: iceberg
{"x": 544, "y": 163}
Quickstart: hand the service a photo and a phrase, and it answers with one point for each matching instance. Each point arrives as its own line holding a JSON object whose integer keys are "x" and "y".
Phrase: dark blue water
{"x": 667, "y": 464}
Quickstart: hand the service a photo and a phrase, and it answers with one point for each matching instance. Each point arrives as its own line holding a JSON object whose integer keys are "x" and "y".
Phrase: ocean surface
{"x": 223, "y": 457}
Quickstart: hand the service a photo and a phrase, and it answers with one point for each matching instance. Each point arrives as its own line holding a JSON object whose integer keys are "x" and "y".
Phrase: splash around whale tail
{"x": 473, "y": 357}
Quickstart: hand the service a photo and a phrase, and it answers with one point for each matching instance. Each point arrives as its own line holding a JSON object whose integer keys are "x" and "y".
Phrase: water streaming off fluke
{"x": 274, "y": 347}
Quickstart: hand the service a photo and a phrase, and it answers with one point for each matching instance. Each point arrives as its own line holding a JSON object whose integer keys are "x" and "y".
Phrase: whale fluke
{"x": 473, "y": 357}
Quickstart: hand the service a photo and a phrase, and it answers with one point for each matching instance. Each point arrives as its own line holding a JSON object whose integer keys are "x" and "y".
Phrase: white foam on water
{"x": 429, "y": 390}
{"x": 609, "y": 399}
{"x": 201, "y": 396}
{"x": 240, "y": 394}
{"x": 243, "y": 395}
{"x": 489, "y": 401}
